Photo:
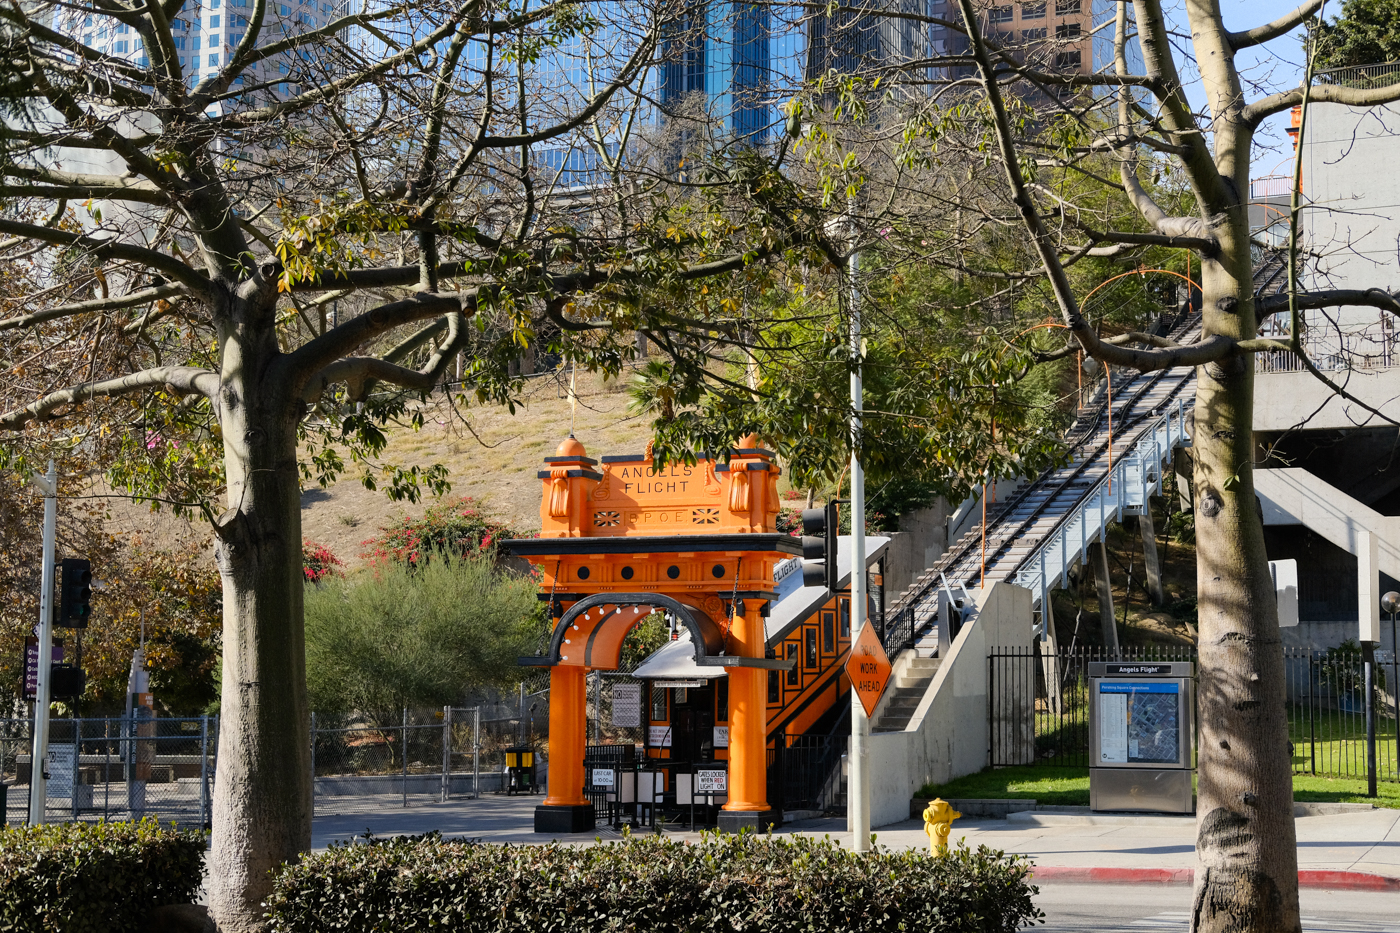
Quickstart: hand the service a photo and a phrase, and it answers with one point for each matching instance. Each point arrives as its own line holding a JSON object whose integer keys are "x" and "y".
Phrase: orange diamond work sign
{"x": 869, "y": 668}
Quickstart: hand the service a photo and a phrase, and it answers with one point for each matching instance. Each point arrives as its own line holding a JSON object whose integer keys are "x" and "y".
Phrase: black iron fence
{"x": 804, "y": 773}
{"x": 1039, "y": 702}
{"x": 1327, "y": 712}
{"x": 1039, "y": 707}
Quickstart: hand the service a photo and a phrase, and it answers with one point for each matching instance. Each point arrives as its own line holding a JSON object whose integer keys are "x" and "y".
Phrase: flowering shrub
{"x": 317, "y": 562}
{"x": 789, "y": 522}
{"x": 457, "y": 526}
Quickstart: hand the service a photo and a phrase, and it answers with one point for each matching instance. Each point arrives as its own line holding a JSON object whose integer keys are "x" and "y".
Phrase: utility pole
{"x": 39, "y": 755}
{"x": 858, "y": 797}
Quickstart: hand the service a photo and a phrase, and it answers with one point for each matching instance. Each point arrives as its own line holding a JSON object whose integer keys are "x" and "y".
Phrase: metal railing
{"x": 1362, "y": 350}
{"x": 1271, "y": 186}
{"x": 1362, "y": 76}
{"x": 1125, "y": 489}
{"x": 1038, "y": 707}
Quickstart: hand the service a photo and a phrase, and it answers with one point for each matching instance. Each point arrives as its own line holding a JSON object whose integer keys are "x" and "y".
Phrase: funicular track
{"x": 1029, "y": 533}
{"x": 1018, "y": 526}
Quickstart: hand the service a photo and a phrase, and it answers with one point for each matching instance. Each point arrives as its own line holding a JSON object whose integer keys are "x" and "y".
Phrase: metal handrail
{"x": 1152, "y": 449}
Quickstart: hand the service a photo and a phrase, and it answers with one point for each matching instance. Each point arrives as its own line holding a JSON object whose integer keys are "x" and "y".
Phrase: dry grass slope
{"x": 490, "y": 454}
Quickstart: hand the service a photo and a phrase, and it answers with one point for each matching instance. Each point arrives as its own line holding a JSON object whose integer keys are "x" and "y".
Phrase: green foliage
{"x": 94, "y": 877}
{"x": 645, "y": 637}
{"x": 399, "y": 635}
{"x": 646, "y": 884}
{"x": 458, "y": 526}
{"x": 1366, "y": 33}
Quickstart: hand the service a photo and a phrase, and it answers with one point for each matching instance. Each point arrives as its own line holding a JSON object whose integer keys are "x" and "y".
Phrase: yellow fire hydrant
{"x": 938, "y": 823}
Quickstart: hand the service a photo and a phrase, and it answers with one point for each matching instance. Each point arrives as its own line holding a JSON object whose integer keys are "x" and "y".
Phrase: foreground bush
{"x": 752, "y": 883}
{"x": 94, "y": 877}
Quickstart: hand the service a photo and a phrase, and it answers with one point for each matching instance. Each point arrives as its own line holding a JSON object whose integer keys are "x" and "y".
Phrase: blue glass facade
{"x": 724, "y": 49}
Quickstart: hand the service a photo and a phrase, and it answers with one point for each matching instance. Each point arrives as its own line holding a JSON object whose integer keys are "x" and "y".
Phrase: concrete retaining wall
{"x": 949, "y": 735}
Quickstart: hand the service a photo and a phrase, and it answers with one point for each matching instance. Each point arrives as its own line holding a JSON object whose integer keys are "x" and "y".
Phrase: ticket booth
{"x": 1142, "y": 736}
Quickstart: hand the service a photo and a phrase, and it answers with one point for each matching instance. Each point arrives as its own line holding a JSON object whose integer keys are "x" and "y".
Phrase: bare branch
{"x": 1284, "y": 24}
{"x": 1208, "y": 350}
{"x": 184, "y": 380}
{"x": 83, "y": 307}
{"x": 1255, "y": 113}
{"x": 1331, "y": 298}
{"x": 112, "y": 249}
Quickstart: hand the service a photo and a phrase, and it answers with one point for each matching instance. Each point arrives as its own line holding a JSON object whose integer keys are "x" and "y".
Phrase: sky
{"x": 1265, "y": 70}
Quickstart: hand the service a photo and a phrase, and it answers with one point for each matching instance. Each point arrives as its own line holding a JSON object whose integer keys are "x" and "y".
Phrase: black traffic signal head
{"x": 66, "y": 682}
{"x": 819, "y": 531}
{"x": 75, "y": 593}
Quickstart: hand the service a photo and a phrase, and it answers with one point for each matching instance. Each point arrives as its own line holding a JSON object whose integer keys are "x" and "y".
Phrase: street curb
{"x": 1307, "y": 878}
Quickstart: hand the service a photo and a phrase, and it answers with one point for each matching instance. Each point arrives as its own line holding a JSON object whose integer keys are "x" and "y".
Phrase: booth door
{"x": 693, "y": 724}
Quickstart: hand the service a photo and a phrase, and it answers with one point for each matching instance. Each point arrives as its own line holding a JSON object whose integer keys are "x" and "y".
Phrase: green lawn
{"x": 1070, "y": 786}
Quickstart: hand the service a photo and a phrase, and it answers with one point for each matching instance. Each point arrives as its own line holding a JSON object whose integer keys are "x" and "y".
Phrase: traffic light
{"x": 75, "y": 593}
{"x": 819, "y": 531}
{"x": 66, "y": 682}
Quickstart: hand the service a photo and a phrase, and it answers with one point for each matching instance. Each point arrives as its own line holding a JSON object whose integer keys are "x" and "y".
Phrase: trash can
{"x": 1142, "y": 736}
{"x": 520, "y": 770}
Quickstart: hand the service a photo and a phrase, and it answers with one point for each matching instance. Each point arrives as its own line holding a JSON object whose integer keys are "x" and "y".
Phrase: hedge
{"x": 645, "y": 883}
{"x": 94, "y": 877}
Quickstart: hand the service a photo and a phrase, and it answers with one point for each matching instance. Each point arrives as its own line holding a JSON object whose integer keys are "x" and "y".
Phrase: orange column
{"x": 748, "y": 717}
{"x": 568, "y": 726}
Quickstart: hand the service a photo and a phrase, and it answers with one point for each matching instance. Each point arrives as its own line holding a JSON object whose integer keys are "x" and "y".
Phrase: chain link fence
{"x": 114, "y": 769}
{"x": 423, "y": 756}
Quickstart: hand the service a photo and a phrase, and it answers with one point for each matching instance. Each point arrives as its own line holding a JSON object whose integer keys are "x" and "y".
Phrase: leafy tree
{"x": 1366, "y": 33}
{"x": 419, "y": 635}
{"x": 177, "y": 598}
{"x": 247, "y": 279}
{"x": 80, "y": 533}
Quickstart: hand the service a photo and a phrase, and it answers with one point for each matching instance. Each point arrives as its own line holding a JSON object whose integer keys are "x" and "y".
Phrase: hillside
{"x": 490, "y": 455}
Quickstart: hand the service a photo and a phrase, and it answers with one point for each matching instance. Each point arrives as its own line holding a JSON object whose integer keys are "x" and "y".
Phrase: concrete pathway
{"x": 1360, "y": 841}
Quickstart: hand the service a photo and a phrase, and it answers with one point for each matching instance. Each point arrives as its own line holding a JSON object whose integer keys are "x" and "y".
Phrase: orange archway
{"x": 697, "y": 540}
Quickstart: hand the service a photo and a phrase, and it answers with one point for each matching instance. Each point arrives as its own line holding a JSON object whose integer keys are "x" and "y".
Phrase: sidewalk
{"x": 1150, "y": 848}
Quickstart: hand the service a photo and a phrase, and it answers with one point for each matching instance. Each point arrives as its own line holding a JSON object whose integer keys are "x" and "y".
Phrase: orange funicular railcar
{"x": 755, "y": 673}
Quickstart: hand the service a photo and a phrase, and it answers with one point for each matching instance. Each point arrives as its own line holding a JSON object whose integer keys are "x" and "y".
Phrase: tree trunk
{"x": 1246, "y": 848}
{"x": 262, "y": 791}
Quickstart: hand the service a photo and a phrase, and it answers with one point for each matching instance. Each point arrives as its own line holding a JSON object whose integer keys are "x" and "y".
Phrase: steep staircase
{"x": 909, "y": 689}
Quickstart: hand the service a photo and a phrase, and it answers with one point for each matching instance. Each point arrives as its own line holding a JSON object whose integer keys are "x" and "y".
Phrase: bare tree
{"x": 1247, "y": 879}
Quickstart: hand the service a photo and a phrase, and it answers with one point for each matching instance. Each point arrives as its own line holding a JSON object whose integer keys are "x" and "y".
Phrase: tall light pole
{"x": 858, "y": 797}
{"x": 1390, "y": 603}
{"x": 39, "y": 755}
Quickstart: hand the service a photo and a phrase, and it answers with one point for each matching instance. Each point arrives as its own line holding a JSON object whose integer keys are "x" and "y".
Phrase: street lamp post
{"x": 1390, "y": 603}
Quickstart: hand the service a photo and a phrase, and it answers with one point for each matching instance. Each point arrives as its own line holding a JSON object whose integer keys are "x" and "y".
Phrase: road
{"x": 1136, "y": 908}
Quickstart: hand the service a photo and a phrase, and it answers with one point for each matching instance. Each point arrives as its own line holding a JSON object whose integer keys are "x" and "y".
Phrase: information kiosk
{"x": 1142, "y": 736}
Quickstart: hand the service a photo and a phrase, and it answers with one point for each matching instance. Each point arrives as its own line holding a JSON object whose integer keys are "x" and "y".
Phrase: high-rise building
{"x": 723, "y": 50}
{"x": 1059, "y": 36}
{"x": 206, "y": 33}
